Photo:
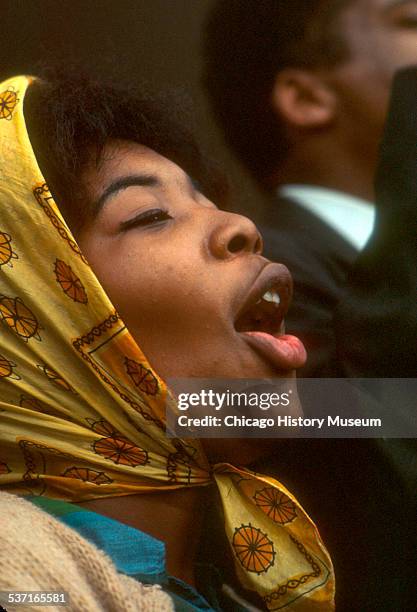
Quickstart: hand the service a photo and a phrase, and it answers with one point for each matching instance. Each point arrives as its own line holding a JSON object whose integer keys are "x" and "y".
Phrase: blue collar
{"x": 133, "y": 552}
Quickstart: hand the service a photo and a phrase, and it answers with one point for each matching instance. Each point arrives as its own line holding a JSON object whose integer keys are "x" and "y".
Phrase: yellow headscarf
{"x": 81, "y": 411}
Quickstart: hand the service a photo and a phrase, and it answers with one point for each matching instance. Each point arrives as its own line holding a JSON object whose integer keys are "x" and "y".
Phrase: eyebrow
{"x": 131, "y": 180}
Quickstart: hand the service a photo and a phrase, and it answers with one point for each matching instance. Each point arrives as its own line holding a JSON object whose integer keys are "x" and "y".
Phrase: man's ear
{"x": 303, "y": 99}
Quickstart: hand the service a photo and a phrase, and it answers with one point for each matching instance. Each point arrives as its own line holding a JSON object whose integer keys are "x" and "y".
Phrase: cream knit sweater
{"x": 38, "y": 553}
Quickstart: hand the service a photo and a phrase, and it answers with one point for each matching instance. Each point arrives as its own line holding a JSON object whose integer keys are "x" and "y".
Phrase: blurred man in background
{"x": 301, "y": 90}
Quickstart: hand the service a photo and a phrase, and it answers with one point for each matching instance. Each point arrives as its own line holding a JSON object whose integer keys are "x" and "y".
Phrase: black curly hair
{"x": 247, "y": 42}
{"x": 70, "y": 116}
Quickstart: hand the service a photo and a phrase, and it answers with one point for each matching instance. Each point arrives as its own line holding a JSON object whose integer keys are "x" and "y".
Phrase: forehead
{"x": 123, "y": 158}
{"x": 120, "y": 155}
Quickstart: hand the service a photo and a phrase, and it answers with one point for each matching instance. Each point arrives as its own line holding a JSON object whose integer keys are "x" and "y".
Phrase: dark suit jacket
{"x": 359, "y": 491}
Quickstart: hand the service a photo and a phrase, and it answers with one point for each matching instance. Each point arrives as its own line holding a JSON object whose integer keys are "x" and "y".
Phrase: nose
{"x": 232, "y": 235}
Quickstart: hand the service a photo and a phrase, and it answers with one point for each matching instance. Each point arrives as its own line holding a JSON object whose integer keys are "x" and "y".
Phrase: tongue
{"x": 285, "y": 352}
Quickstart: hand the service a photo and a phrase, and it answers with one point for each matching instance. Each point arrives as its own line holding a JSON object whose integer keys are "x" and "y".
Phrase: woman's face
{"x": 186, "y": 278}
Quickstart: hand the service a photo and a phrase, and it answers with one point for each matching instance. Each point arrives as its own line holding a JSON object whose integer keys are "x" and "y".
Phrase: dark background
{"x": 156, "y": 40}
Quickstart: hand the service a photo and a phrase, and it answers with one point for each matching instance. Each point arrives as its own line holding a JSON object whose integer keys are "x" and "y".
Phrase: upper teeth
{"x": 272, "y": 296}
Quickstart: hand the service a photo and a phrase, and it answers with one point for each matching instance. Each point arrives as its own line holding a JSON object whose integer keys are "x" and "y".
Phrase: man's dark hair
{"x": 71, "y": 117}
{"x": 247, "y": 42}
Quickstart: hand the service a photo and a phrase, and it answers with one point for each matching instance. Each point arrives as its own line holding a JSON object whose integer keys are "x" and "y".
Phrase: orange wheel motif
{"x": 55, "y": 378}
{"x": 253, "y": 548}
{"x": 6, "y": 368}
{"x": 104, "y": 428}
{"x": 70, "y": 283}
{"x": 87, "y": 475}
{"x": 26, "y": 401}
{"x": 276, "y": 505}
{"x": 4, "y": 468}
{"x": 121, "y": 451}
{"x": 141, "y": 377}
{"x": 19, "y": 318}
{"x": 6, "y": 252}
{"x": 8, "y": 101}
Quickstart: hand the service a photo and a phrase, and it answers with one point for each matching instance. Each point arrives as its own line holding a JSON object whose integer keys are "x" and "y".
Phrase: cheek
{"x": 155, "y": 295}
{"x": 371, "y": 75}
{"x": 363, "y": 93}
{"x": 170, "y": 298}
{"x": 396, "y": 50}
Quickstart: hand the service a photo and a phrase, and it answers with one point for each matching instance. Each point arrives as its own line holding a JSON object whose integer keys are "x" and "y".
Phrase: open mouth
{"x": 261, "y": 320}
{"x": 265, "y": 312}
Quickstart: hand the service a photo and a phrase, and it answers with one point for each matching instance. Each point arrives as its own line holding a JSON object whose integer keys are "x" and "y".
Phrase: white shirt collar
{"x": 352, "y": 217}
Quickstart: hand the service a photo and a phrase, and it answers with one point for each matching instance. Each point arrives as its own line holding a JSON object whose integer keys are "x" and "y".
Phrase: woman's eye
{"x": 149, "y": 217}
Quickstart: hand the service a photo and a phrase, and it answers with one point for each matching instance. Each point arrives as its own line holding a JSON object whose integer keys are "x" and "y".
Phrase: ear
{"x": 303, "y": 99}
